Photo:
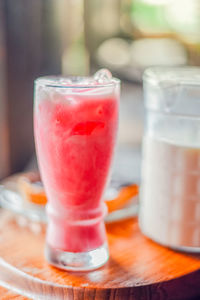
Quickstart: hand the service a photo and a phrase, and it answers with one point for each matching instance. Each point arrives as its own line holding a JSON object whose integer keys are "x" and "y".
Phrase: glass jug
{"x": 170, "y": 189}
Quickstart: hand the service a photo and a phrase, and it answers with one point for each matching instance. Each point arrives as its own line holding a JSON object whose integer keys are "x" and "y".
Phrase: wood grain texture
{"x": 138, "y": 268}
{"x": 9, "y": 295}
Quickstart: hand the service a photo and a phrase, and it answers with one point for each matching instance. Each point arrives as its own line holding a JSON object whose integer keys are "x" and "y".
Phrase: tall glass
{"x": 75, "y": 125}
{"x": 170, "y": 190}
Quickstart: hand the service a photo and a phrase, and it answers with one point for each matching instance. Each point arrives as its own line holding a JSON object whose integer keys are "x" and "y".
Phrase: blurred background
{"x": 77, "y": 37}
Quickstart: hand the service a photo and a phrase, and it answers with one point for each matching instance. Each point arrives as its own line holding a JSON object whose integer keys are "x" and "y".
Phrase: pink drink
{"x": 75, "y": 132}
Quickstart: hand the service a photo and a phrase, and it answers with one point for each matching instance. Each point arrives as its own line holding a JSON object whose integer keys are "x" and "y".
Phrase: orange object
{"x": 125, "y": 195}
{"x": 30, "y": 188}
{"x": 33, "y": 192}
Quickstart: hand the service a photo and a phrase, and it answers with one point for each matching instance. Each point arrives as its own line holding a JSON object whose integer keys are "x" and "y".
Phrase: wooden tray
{"x": 138, "y": 268}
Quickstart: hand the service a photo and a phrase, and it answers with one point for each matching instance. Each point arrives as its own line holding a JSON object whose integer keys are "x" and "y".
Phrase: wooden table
{"x": 138, "y": 269}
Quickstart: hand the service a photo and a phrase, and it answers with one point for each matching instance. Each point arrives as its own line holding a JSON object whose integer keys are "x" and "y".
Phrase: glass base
{"x": 181, "y": 248}
{"x": 79, "y": 261}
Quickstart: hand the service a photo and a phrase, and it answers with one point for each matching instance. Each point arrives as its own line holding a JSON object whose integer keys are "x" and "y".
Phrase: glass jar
{"x": 170, "y": 189}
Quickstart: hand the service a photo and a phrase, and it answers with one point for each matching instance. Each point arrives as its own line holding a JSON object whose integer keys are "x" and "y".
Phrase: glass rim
{"x": 189, "y": 75}
{"x": 53, "y": 81}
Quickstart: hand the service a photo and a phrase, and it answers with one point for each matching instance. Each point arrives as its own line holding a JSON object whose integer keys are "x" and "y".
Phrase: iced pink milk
{"x": 75, "y": 137}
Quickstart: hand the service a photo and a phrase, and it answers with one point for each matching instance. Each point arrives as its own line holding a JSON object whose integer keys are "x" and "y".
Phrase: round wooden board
{"x": 138, "y": 268}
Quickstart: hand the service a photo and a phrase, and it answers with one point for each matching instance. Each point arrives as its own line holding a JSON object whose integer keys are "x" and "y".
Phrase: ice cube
{"x": 103, "y": 76}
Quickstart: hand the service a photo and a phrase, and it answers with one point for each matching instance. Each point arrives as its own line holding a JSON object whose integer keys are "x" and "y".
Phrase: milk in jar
{"x": 170, "y": 178}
